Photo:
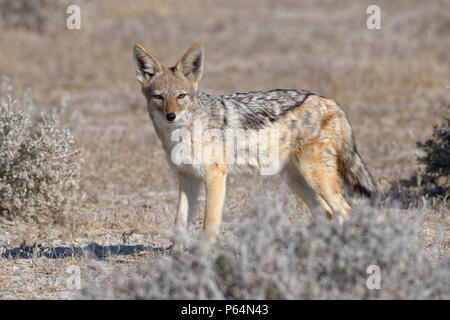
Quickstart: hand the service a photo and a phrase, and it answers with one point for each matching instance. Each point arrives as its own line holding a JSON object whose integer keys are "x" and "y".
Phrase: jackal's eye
{"x": 181, "y": 96}
{"x": 158, "y": 96}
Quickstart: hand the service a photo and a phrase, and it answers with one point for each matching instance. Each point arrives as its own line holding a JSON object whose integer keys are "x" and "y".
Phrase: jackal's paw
{"x": 343, "y": 217}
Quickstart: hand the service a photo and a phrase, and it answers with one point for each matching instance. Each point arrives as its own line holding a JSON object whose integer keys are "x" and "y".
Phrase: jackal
{"x": 315, "y": 149}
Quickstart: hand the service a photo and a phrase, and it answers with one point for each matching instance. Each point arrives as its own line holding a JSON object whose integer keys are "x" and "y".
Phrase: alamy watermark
{"x": 69, "y": 280}
{"x": 374, "y": 20}
{"x": 258, "y": 149}
{"x": 74, "y": 279}
{"x": 374, "y": 280}
{"x": 73, "y": 21}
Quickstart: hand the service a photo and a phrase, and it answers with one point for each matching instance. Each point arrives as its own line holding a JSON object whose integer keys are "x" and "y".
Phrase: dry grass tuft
{"x": 268, "y": 259}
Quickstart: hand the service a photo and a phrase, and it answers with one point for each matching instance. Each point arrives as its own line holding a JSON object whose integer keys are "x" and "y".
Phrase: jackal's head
{"x": 169, "y": 91}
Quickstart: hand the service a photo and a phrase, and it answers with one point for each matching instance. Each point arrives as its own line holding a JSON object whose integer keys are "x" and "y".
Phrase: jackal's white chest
{"x": 177, "y": 141}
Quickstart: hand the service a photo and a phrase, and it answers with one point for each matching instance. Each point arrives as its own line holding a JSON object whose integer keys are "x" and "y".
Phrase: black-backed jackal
{"x": 305, "y": 137}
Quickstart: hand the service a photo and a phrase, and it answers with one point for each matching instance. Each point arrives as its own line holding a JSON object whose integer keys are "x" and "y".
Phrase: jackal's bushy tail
{"x": 355, "y": 173}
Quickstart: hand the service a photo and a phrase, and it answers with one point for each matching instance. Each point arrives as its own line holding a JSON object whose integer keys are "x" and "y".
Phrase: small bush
{"x": 39, "y": 165}
{"x": 433, "y": 181}
{"x": 320, "y": 260}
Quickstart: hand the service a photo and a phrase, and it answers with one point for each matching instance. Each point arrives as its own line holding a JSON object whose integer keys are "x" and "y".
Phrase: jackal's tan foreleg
{"x": 318, "y": 165}
{"x": 188, "y": 194}
{"x": 216, "y": 177}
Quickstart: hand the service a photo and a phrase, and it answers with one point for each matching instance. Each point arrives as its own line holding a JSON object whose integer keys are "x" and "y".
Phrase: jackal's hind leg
{"x": 314, "y": 201}
{"x": 319, "y": 170}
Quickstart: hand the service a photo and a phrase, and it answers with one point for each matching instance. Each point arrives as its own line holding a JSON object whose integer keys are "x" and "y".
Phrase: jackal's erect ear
{"x": 191, "y": 63}
{"x": 147, "y": 66}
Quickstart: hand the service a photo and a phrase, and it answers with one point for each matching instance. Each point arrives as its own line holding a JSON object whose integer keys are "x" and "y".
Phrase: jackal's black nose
{"x": 171, "y": 116}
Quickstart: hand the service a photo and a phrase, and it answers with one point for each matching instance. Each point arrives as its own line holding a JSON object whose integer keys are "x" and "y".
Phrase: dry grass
{"x": 392, "y": 83}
